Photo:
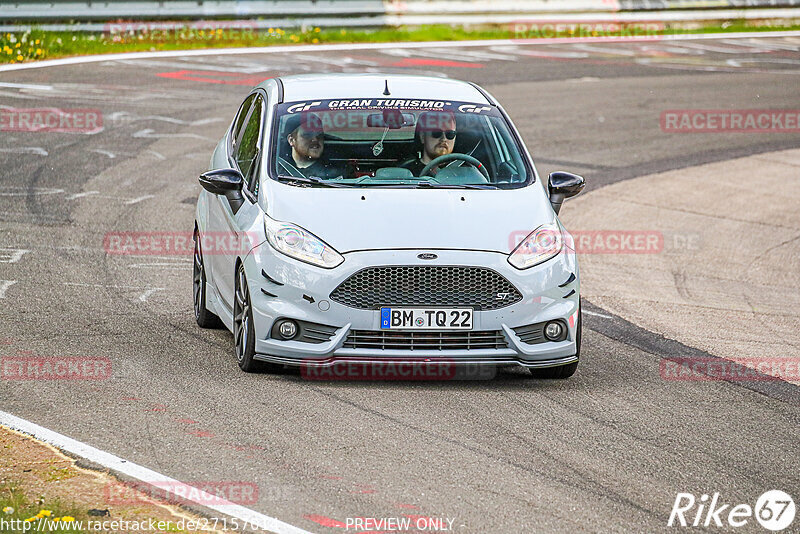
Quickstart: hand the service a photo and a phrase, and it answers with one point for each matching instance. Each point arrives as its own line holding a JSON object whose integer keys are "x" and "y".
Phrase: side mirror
{"x": 228, "y": 182}
{"x": 222, "y": 181}
{"x": 562, "y": 186}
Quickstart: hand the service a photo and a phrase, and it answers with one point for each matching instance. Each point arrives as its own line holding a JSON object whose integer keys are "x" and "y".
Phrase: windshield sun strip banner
{"x": 356, "y": 104}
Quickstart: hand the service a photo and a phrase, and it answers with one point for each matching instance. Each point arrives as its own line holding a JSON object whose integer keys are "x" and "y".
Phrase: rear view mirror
{"x": 390, "y": 118}
{"x": 562, "y": 186}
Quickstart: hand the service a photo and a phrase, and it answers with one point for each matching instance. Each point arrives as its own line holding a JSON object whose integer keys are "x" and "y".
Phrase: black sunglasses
{"x": 311, "y": 134}
{"x": 449, "y": 134}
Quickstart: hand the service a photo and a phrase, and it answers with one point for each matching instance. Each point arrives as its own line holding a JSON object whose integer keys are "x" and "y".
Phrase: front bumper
{"x": 292, "y": 289}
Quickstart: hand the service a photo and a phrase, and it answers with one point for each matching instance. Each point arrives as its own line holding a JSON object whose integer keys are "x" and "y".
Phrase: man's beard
{"x": 313, "y": 153}
{"x": 441, "y": 150}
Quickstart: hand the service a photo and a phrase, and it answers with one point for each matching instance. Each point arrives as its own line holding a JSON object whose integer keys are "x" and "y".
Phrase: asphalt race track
{"x": 605, "y": 451}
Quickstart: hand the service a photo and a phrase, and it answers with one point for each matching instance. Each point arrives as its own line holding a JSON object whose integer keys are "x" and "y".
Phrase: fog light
{"x": 553, "y": 330}
{"x": 287, "y": 329}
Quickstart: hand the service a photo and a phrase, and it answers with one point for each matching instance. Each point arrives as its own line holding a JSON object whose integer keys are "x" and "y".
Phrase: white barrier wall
{"x": 345, "y": 12}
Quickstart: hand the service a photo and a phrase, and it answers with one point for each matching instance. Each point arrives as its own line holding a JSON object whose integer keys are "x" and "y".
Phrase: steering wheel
{"x": 291, "y": 169}
{"x": 452, "y": 157}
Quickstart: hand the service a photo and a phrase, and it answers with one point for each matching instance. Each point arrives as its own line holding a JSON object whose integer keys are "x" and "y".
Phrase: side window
{"x": 240, "y": 117}
{"x": 508, "y": 163}
{"x": 247, "y": 149}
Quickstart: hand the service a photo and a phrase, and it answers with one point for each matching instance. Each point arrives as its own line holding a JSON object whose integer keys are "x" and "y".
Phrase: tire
{"x": 556, "y": 373}
{"x": 563, "y": 371}
{"x": 204, "y": 318}
{"x": 244, "y": 335}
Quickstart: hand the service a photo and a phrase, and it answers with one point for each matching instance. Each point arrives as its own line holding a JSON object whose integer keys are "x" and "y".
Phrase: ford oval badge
{"x": 427, "y": 256}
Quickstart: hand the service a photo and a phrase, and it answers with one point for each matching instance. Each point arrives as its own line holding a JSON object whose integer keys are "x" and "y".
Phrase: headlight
{"x": 300, "y": 244}
{"x": 541, "y": 245}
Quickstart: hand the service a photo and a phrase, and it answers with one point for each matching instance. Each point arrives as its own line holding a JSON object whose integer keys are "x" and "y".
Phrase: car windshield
{"x": 395, "y": 143}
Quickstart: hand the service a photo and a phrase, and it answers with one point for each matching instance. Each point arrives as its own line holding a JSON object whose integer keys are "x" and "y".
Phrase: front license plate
{"x": 426, "y": 318}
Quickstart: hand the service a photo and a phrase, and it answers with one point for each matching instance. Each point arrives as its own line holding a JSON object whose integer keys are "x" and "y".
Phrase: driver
{"x": 436, "y": 136}
{"x": 306, "y": 138}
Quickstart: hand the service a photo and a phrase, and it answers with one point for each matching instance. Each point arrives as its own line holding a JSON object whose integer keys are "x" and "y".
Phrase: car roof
{"x": 301, "y": 87}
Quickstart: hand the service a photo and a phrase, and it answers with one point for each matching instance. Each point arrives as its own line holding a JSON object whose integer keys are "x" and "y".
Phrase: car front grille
{"x": 474, "y": 287}
{"x": 404, "y": 340}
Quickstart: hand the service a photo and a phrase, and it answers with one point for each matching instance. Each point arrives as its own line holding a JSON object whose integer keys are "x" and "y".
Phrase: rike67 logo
{"x": 774, "y": 511}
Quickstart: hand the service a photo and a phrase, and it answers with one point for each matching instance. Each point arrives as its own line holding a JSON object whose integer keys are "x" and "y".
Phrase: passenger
{"x": 435, "y": 136}
{"x": 306, "y": 139}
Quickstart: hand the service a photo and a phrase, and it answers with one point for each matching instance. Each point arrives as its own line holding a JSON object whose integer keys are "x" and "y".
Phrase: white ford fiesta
{"x": 384, "y": 218}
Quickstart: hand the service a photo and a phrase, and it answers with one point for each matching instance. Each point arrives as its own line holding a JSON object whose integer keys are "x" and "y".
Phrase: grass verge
{"x": 36, "y": 44}
{"x": 43, "y": 490}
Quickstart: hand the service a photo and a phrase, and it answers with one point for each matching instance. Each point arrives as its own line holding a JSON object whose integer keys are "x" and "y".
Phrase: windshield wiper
{"x": 456, "y": 186}
{"x": 308, "y": 180}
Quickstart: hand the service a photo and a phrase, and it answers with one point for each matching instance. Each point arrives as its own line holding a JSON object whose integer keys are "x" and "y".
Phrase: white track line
{"x": 143, "y": 474}
{"x": 137, "y": 200}
{"x": 26, "y": 86}
{"x": 12, "y": 255}
{"x": 4, "y": 285}
{"x": 381, "y": 46}
{"x": 595, "y": 314}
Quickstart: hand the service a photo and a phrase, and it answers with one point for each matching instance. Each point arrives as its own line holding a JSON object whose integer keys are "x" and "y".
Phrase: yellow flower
{"x": 18, "y": 45}
{"x": 316, "y": 30}
{"x": 315, "y": 41}
{"x": 67, "y": 519}
{"x": 39, "y": 51}
{"x": 56, "y": 519}
{"x": 45, "y": 513}
{"x": 30, "y": 520}
{"x": 19, "y": 58}
{"x": 37, "y": 41}
{"x": 8, "y": 510}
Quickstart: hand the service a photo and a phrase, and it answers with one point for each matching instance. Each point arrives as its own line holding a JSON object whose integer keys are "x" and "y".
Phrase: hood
{"x": 366, "y": 219}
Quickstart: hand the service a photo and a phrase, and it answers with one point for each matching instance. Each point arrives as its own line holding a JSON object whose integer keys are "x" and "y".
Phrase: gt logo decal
{"x": 471, "y": 108}
{"x": 301, "y": 107}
